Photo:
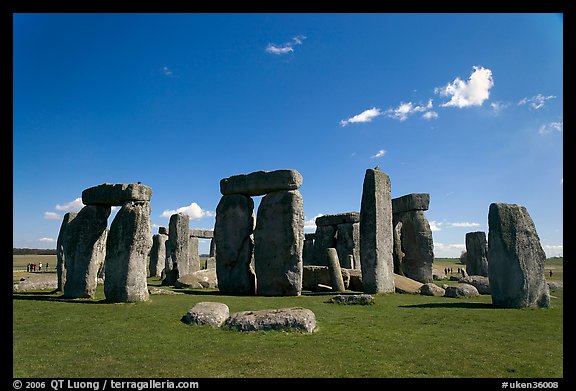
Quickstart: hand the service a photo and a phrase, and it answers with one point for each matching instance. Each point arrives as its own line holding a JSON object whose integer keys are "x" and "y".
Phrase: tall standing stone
{"x": 158, "y": 255}
{"x": 413, "y": 243}
{"x": 60, "y": 245}
{"x": 235, "y": 245}
{"x": 178, "y": 239}
{"x": 376, "y": 233}
{"x": 516, "y": 258}
{"x": 84, "y": 250}
{"x": 278, "y": 241}
{"x": 127, "y": 248}
{"x": 348, "y": 245}
{"x": 476, "y": 254}
{"x": 324, "y": 238}
{"x": 308, "y": 257}
{"x": 193, "y": 256}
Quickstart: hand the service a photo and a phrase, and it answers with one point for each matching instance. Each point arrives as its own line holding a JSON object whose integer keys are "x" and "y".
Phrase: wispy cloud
{"x": 551, "y": 127}
{"x": 365, "y": 116}
{"x": 378, "y": 154}
{"x": 311, "y": 223}
{"x": 498, "y": 106}
{"x": 430, "y": 115}
{"x": 553, "y": 250}
{"x": 435, "y": 226}
{"x": 194, "y": 212}
{"x": 468, "y": 93}
{"x": 404, "y": 110}
{"x": 439, "y": 225}
{"x": 72, "y": 206}
{"x": 49, "y": 240}
{"x": 167, "y": 71}
{"x": 463, "y": 225}
{"x": 444, "y": 250}
{"x": 536, "y": 102}
{"x": 285, "y": 48}
{"x": 52, "y": 216}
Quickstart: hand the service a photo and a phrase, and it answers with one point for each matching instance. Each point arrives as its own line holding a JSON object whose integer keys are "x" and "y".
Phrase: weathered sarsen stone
{"x": 158, "y": 255}
{"x": 285, "y": 319}
{"x": 233, "y": 239}
{"x": 116, "y": 194}
{"x": 261, "y": 182}
{"x": 376, "y": 233}
{"x": 60, "y": 244}
{"x": 335, "y": 270}
{"x": 417, "y": 245}
{"x": 177, "y": 248}
{"x": 127, "y": 248}
{"x": 278, "y": 241}
{"x": 409, "y": 202}
{"x": 84, "y": 250}
{"x": 516, "y": 258}
{"x": 476, "y": 254}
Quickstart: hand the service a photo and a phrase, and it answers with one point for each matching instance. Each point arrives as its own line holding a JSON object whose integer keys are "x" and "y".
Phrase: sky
{"x": 467, "y": 107}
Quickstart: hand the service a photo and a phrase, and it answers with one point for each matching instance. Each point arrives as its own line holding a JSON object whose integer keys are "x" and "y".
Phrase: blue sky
{"x": 466, "y": 107}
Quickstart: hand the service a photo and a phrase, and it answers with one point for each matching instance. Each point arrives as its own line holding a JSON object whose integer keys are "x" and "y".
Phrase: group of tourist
{"x": 32, "y": 267}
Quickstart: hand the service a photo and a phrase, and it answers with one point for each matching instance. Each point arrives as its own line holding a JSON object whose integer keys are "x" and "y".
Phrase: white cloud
{"x": 471, "y": 93}
{"x": 453, "y": 250}
{"x": 498, "y": 106}
{"x": 435, "y": 226}
{"x": 194, "y": 212}
{"x": 52, "y": 216}
{"x": 404, "y": 110}
{"x": 430, "y": 115}
{"x": 49, "y": 240}
{"x": 286, "y": 48}
{"x": 73, "y": 206}
{"x": 365, "y": 116}
{"x": 463, "y": 225}
{"x": 551, "y": 127}
{"x": 311, "y": 224}
{"x": 553, "y": 250}
{"x": 380, "y": 153}
{"x": 536, "y": 102}
{"x": 167, "y": 71}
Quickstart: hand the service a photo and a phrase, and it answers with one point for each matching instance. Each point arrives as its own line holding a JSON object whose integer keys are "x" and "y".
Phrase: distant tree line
{"x": 33, "y": 251}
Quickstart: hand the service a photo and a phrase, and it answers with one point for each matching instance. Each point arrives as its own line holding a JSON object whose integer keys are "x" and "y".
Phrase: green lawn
{"x": 400, "y": 336}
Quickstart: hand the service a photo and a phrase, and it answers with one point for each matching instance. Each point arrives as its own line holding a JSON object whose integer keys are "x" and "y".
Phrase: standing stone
{"x": 178, "y": 238}
{"x": 60, "y": 245}
{"x": 278, "y": 241}
{"x": 325, "y": 237}
{"x": 212, "y": 253}
{"x": 376, "y": 233}
{"x": 516, "y": 266}
{"x": 348, "y": 243}
{"x": 158, "y": 255}
{"x": 127, "y": 248}
{"x": 308, "y": 250}
{"x": 335, "y": 270}
{"x": 84, "y": 249}
{"x": 417, "y": 245}
{"x": 397, "y": 253}
{"x": 102, "y": 268}
{"x": 193, "y": 256}
{"x": 476, "y": 254}
{"x": 233, "y": 239}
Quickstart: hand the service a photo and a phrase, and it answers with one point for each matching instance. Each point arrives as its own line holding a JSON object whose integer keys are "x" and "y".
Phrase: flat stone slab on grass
{"x": 461, "y": 290}
{"x": 116, "y": 194}
{"x": 284, "y": 319}
{"x": 207, "y": 312}
{"x": 261, "y": 182}
{"x": 362, "y": 299}
{"x": 160, "y": 291}
{"x": 201, "y": 279}
{"x": 37, "y": 281}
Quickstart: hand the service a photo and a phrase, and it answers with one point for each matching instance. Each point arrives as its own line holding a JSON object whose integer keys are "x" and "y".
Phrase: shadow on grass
{"x": 49, "y": 296}
{"x": 452, "y": 305}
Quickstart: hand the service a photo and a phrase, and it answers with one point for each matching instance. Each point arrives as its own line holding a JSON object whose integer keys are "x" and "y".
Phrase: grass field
{"x": 400, "y": 336}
